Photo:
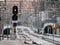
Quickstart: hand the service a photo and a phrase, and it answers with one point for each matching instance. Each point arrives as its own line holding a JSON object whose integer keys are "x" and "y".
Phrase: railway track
{"x": 57, "y": 36}
{"x": 52, "y": 35}
{"x": 46, "y": 39}
{"x": 50, "y": 40}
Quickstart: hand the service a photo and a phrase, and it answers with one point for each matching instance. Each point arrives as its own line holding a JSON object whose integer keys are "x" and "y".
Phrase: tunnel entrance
{"x": 48, "y": 29}
{"x": 6, "y": 31}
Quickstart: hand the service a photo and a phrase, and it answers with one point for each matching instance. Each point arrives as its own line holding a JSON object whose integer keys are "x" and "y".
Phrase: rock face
{"x": 27, "y": 8}
{"x": 24, "y": 7}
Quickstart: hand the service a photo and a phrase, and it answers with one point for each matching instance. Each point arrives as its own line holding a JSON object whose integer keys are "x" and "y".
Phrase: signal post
{"x": 14, "y": 20}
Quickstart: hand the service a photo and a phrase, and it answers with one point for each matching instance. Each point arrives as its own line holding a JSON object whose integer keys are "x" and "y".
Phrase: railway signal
{"x": 14, "y": 17}
{"x": 15, "y": 12}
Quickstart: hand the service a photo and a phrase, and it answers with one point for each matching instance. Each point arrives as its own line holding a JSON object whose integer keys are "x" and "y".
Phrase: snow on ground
{"x": 51, "y": 37}
{"x": 9, "y": 42}
{"x": 38, "y": 40}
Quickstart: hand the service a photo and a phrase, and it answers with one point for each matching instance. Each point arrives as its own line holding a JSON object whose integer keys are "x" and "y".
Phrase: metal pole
{"x": 53, "y": 29}
{"x": 0, "y": 22}
{"x": 19, "y": 16}
{"x": 53, "y": 36}
{"x": 5, "y": 4}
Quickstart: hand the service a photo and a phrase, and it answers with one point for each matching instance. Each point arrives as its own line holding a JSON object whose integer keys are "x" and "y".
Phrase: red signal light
{"x": 15, "y": 9}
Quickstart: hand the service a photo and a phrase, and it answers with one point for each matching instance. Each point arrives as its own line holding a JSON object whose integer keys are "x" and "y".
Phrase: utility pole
{"x": 19, "y": 14}
{"x": 5, "y": 4}
{"x": 0, "y": 21}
